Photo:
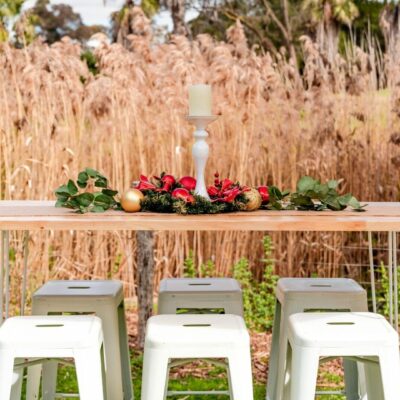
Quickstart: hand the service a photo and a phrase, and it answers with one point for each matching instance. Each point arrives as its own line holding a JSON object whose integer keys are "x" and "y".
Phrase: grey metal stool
{"x": 105, "y": 299}
{"x": 200, "y": 295}
{"x": 298, "y": 295}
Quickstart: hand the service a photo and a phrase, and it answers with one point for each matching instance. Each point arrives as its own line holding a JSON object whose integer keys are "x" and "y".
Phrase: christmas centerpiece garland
{"x": 167, "y": 194}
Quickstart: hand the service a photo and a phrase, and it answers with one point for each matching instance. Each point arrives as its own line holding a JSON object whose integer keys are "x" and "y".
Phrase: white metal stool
{"x": 189, "y": 336}
{"x": 105, "y": 299}
{"x": 366, "y": 337}
{"x": 296, "y": 295}
{"x": 200, "y": 295}
{"x": 37, "y": 337}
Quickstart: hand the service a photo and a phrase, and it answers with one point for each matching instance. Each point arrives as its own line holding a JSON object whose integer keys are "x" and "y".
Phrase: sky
{"x": 97, "y": 12}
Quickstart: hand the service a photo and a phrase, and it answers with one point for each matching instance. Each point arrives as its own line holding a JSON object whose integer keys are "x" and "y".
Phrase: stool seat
{"x": 365, "y": 337}
{"x": 195, "y": 285}
{"x": 49, "y": 332}
{"x": 105, "y": 299}
{"x": 292, "y": 288}
{"x": 297, "y": 295}
{"x": 341, "y": 330}
{"x": 47, "y": 337}
{"x": 80, "y": 288}
{"x": 200, "y": 295}
{"x": 204, "y": 330}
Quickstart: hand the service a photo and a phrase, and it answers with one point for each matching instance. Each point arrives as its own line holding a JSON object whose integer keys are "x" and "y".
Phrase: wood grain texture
{"x": 42, "y": 215}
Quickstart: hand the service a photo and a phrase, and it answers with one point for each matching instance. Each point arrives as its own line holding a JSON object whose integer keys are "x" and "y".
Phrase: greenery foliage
{"x": 90, "y": 200}
{"x": 313, "y": 195}
{"x": 163, "y": 202}
{"x": 258, "y": 297}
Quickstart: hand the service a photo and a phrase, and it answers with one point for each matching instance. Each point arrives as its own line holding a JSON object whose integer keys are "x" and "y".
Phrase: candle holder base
{"x": 200, "y": 151}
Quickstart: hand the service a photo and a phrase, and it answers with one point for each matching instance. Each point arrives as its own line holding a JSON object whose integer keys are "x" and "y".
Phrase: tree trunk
{"x": 177, "y": 8}
{"x": 145, "y": 274}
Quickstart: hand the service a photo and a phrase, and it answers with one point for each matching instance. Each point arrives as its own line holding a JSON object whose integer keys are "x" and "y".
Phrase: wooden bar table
{"x": 43, "y": 215}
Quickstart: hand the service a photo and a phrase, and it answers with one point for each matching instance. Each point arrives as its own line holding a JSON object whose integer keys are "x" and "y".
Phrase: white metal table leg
{"x": 390, "y": 268}
{"x": 2, "y": 261}
{"x": 372, "y": 271}
{"x": 7, "y": 274}
{"x": 395, "y": 282}
{"x": 25, "y": 271}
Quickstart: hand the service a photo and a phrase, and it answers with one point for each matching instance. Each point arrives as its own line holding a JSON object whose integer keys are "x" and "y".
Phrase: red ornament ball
{"x": 264, "y": 192}
{"x": 188, "y": 182}
{"x": 183, "y": 194}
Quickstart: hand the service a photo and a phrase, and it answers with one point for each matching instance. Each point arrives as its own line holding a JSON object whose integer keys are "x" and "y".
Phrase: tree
{"x": 269, "y": 24}
{"x": 9, "y": 9}
{"x": 58, "y": 20}
{"x": 328, "y": 16}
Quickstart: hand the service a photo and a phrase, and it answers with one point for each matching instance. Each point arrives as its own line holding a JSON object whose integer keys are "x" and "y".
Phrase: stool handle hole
{"x": 78, "y": 287}
{"x": 199, "y": 284}
{"x": 340, "y": 323}
{"x": 49, "y": 326}
{"x": 320, "y": 285}
{"x": 196, "y": 325}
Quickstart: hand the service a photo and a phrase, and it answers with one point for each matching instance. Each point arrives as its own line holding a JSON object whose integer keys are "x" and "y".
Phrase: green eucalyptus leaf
{"x": 101, "y": 183}
{"x": 83, "y": 177}
{"x": 85, "y": 199}
{"x": 110, "y": 192}
{"x": 60, "y": 203}
{"x": 332, "y": 184}
{"x": 345, "y": 199}
{"x": 62, "y": 191}
{"x": 72, "y": 188}
{"x": 306, "y": 183}
{"x": 102, "y": 199}
{"x": 92, "y": 172}
{"x": 98, "y": 209}
{"x": 353, "y": 202}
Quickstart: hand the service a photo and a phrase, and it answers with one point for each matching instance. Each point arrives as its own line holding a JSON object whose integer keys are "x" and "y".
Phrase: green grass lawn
{"x": 216, "y": 380}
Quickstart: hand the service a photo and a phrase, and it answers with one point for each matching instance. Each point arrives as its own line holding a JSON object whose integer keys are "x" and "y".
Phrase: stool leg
{"x": 240, "y": 374}
{"x": 49, "y": 380}
{"x": 303, "y": 373}
{"x": 154, "y": 379}
{"x": 109, "y": 317}
{"x": 17, "y": 386}
{"x": 33, "y": 382}
{"x": 373, "y": 381}
{"x": 6, "y": 374}
{"x": 274, "y": 355}
{"x": 124, "y": 354}
{"x": 281, "y": 359}
{"x": 351, "y": 379}
{"x": 390, "y": 370}
{"x": 90, "y": 372}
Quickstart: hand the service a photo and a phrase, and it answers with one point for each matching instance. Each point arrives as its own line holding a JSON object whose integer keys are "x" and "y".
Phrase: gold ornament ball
{"x": 130, "y": 200}
{"x": 254, "y": 200}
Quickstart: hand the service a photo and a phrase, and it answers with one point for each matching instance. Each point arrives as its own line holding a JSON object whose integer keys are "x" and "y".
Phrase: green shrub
{"x": 258, "y": 297}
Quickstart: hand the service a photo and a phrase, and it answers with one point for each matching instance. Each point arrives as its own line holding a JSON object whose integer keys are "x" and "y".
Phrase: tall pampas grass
{"x": 335, "y": 120}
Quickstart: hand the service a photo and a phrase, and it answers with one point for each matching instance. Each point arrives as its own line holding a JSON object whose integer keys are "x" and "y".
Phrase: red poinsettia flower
{"x": 213, "y": 191}
{"x": 144, "y": 184}
{"x": 225, "y": 185}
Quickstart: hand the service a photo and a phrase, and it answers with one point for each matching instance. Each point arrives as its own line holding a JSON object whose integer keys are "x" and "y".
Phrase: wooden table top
{"x": 42, "y": 215}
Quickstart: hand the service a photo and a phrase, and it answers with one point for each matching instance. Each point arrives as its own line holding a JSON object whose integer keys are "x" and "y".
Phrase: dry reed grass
{"x": 56, "y": 118}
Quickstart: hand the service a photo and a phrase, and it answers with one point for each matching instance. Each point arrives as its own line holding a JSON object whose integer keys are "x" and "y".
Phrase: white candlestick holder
{"x": 200, "y": 151}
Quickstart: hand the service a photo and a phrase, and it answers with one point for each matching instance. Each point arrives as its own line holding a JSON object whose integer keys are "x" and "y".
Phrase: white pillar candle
{"x": 200, "y": 101}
